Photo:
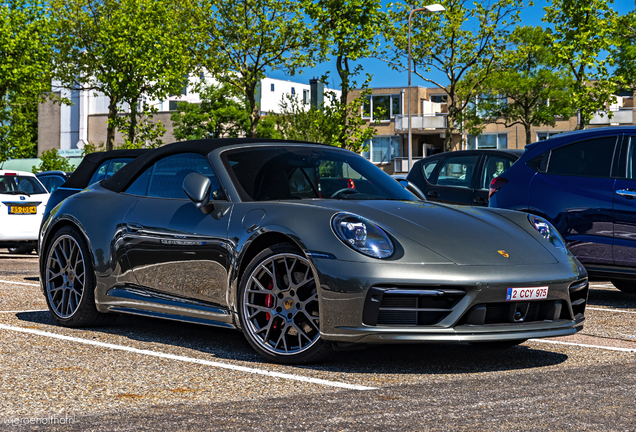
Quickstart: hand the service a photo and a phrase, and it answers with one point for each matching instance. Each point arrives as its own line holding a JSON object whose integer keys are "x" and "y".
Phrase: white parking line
{"x": 188, "y": 359}
{"x": 611, "y": 310}
{"x": 20, "y": 311}
{"x": 633, "y": 350}
{"x": 19, "y": 283}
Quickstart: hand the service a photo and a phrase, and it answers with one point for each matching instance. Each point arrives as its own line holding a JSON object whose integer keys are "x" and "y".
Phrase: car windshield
{"x": 17, "y": 184}
{"x": 278, "y": 173}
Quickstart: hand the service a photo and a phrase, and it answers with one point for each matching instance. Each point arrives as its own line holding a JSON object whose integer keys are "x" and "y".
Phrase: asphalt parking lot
{"x": 146, "y": 374}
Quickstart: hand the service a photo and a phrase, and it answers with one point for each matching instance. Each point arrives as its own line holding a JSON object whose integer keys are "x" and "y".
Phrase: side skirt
{"x": 136, "y": 301}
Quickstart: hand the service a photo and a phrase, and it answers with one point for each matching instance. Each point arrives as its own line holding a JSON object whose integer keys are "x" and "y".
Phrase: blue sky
{"x": 384, "y": 76}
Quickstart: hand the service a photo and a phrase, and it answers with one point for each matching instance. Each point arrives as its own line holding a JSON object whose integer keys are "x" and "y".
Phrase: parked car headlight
{"x": 362, "y": 235}
{"x": 548, "y": 231}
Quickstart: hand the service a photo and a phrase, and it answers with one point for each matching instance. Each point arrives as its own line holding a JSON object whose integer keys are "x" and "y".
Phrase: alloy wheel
{"x": 65, "y": 276}
{"x": 280, "y": 305}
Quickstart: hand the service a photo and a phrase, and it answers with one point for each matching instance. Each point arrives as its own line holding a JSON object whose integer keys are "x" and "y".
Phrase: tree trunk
{"x": 255, "y": 115}
{"x": 343, "y": 72}
{"x": 110, "y": 130}
{"x": 133, "y": 121}
{"x": 528, "y": 134}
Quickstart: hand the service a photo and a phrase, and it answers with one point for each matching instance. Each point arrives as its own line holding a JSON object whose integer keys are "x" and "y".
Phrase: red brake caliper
{"x": 269, "y": 300}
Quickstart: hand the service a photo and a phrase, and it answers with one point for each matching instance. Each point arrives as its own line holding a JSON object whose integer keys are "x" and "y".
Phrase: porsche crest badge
{"x": 503, "y": 253}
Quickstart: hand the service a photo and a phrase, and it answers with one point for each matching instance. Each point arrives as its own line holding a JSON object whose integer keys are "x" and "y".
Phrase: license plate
{"x": 524, "y": 294}
{"x": 23, "y": 209}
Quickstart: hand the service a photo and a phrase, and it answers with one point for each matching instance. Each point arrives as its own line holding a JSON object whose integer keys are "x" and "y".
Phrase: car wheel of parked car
{"x": 627, "y": 286}
{"x": 21, "y": 250}
{"x": 498, "y": 344}
{"x": 69, "y": 281}
{"x": 279, "y": 310}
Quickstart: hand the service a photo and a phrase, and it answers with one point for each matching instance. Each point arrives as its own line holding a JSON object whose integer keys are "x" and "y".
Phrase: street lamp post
{"x": 429, "y": 8}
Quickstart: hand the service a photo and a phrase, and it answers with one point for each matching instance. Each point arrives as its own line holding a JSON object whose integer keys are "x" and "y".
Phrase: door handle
{"x": 480, "y": 200}
{"x": 134, "y": 227}
{"x": 433, "y": 194}
{"x": 627, "y": 193}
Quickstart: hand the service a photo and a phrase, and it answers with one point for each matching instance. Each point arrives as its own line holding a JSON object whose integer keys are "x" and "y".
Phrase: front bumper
{"x": 400, "y": 303}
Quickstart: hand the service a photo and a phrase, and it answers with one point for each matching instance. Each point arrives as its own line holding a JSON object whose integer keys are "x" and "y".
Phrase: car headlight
{"x": 549, "y": 232}
{"x": 362, "y": 235}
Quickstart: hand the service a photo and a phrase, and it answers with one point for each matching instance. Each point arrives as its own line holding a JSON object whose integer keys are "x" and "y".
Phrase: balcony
{"x": 622, "y": 116}
{"x": 401, "y": 164}
{"x": 421, "y": 122}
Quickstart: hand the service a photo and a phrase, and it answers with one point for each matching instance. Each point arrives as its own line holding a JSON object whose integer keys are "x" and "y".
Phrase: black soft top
{"x": 127, "y": 174}
{"x": 82, "y": 175}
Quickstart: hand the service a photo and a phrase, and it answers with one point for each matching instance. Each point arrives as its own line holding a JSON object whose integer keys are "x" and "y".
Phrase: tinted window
{"x": 631, "y": 159}
{"x": 108, "y": 168}
{"x": 276, "y": 173}
{"x": 99, "y": 173}
{"x": 17, "y": 184}
{"x": 52, "y": 182}
{"x": 457, "y": 171}
{"x": 428, "y": 167}
{"x": 165, "y": 178}
{"x": 493, "y": 167}
{"x": 591, "y": 158}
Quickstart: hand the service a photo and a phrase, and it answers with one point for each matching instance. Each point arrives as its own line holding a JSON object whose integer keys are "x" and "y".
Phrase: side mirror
{"x": 412, "y": 188}
{"x": 197, "y": 188}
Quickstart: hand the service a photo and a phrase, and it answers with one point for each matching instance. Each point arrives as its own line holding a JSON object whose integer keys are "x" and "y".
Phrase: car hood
{"x": 464, "y": 235}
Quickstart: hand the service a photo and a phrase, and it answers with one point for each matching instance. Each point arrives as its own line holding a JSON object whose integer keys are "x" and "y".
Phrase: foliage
{"x": 127, "y": 49}
{"x": 240, "y": 41}
{"x": 333, "y": 123}
{"x": 583, "y": 32}
{"x": 220, "y": 114}
{"x": 464, "y": 42}
{"x": 25, "y": 49}
{"x": 51, "y": 161}
{"x": 146, "y": 133}
{"x": 347, "y": 30}
{"x": 624, "y": 50}
{"x": 524, "y": 90}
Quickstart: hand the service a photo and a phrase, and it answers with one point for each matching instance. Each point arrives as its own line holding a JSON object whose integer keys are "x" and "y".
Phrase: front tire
{"x": 69, "y": 281}
{"x": 279, "y": 309}
{"x": 626, "y": 286}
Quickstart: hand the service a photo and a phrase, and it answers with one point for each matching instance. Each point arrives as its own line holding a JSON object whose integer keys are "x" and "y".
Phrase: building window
{"x": 542, "y": 136}
{"x": 272, "y": 87}
{"x": 442, "y": 99}
{"x": 305, "y": 97}
{"x": 383, "y": 107}
{"x": 383, "y": 149}
{"x": 488, "y": 141}
{"x": 293, "y": 91}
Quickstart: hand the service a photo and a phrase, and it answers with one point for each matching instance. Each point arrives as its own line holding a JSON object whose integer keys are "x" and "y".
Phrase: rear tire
{"x": 69, "y": 281}
{"x": 21, "y": 250}
{"x": 278, "y": 307}
{"x": 625, "y": 285}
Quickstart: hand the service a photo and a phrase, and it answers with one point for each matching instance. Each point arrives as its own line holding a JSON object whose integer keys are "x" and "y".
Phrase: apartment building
{"x": 69, "y": 127}
{"x": 387, "y": 111}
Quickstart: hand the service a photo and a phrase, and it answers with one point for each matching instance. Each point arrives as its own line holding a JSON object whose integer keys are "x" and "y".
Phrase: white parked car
{"x": 23, "y": 199}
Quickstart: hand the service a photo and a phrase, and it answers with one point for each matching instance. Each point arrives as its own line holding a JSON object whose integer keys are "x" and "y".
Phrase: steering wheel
{"x": 344, "y": 191}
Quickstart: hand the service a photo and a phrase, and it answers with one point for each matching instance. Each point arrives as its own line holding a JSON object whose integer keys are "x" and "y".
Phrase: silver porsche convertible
{"x": 305, "y": 248}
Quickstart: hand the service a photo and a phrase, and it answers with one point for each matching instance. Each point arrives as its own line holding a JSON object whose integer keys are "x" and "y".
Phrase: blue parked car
{"x": 584, "y": 183}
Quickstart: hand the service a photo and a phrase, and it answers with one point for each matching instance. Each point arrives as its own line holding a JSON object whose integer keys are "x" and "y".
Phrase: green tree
{"x": 130, "y": 50}
{"x": 324, "y": 124}
{"x": 583, "y": 33}
{"x": 240, "y": 41}
{"x": 464, "y": 43}
{"x": 220, "y": 114}
{"x": 525, "y": 90}
{"x": 52, "y": 161}
{"x": 624, "y": 50}
{"x": 25, "y": 74}
{"x": 347, "y": 31}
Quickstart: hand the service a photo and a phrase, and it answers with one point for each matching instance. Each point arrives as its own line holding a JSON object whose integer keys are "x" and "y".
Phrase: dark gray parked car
{"x": 304, "y": 247}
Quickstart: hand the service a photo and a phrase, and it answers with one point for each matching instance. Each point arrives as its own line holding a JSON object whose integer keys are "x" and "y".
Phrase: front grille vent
{"x": 515, "y": 312}
{"x": 410, "y": 306}
{"x": 578, "y": 297}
